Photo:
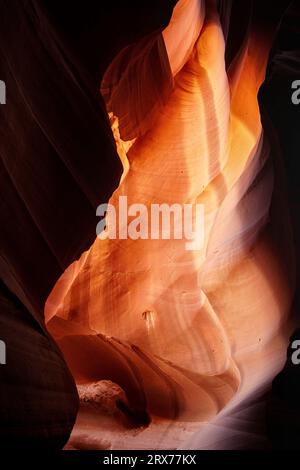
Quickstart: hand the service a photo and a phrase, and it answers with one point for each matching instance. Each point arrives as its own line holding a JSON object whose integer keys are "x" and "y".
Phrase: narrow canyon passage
{"x": 183, "y": 333}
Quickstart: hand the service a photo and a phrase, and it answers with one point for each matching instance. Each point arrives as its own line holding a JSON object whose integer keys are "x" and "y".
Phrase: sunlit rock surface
{"x": 189, "y": 336}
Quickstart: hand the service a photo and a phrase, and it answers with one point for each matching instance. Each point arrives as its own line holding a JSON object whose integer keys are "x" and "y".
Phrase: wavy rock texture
{"x": 183, "y": 333}
{"x": 37, "y": 394}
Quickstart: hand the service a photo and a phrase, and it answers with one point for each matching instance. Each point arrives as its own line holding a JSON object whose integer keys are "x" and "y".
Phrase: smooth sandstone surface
{"x": 189, "y": 336}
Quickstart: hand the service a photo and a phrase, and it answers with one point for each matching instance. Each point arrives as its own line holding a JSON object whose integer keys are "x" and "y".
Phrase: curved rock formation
{"x": 184, "y": 332}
